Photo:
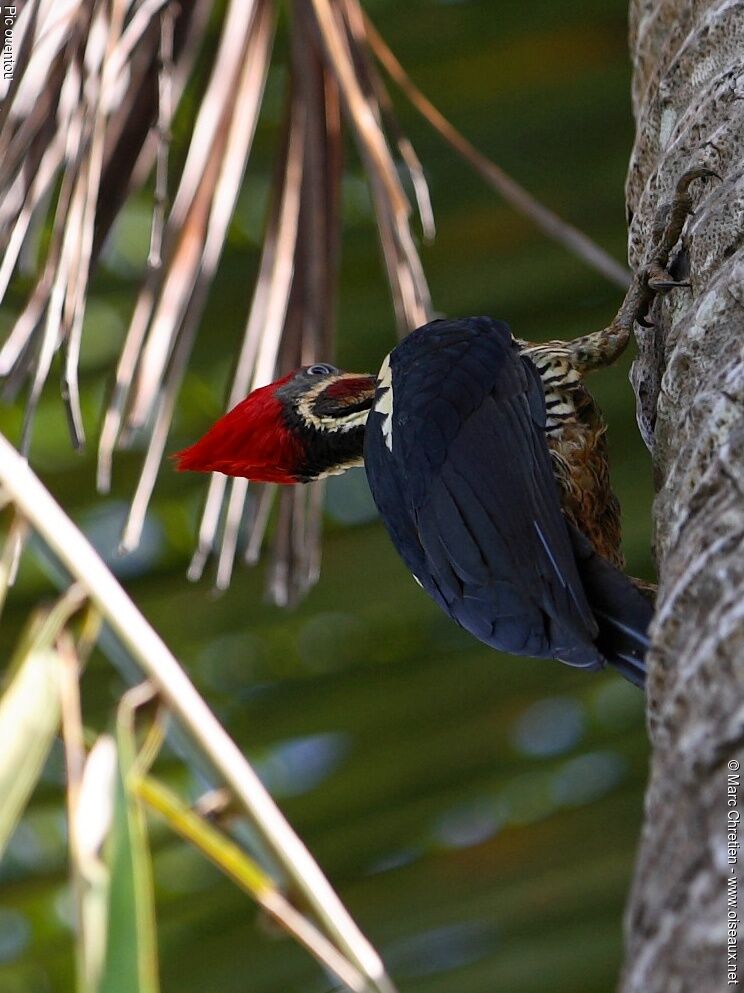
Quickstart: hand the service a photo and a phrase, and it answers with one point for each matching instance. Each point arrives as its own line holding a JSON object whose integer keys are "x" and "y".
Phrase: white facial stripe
{"x": 356, "y": 420}
{"x": 339, "y": 470}
{"x": 384, "y": 403}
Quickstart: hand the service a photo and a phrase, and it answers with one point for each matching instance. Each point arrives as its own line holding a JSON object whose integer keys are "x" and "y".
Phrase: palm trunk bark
{"x": 688, "y": 96}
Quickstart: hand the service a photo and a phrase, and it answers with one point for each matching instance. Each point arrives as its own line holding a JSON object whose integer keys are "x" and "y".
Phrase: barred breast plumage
{"x": 576, "y": 434}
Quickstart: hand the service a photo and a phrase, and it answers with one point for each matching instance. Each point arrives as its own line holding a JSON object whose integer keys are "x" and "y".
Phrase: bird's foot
{"x": 653, "y": 277}
{"x": 670, "y": 221}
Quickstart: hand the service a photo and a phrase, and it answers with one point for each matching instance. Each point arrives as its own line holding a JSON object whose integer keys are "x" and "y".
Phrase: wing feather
{"x": 475, "y": 511}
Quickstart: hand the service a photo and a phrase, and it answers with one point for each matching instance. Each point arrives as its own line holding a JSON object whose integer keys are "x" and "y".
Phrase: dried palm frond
{"x": 83, "y": 85}
{"x": 84, "y": 122}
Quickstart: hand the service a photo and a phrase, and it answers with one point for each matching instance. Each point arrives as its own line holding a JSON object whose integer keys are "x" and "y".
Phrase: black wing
{"x": 459, "y": 468}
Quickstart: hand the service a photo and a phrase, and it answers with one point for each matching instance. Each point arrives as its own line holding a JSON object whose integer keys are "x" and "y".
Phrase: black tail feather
{"x": 622, "y": 611}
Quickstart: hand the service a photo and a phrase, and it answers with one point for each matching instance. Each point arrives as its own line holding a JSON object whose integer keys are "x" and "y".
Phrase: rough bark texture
{"x": 688, "y": 97}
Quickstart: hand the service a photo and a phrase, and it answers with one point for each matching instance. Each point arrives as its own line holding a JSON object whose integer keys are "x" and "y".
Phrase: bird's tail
{"x": 622, "y": 611}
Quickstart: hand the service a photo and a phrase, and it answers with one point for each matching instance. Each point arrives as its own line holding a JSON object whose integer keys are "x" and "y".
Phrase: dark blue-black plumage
{"x": 458, "y": 464}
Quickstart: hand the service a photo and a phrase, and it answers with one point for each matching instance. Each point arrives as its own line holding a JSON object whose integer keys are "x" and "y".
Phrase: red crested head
{"x": 306, "y": 425}
{"x": 251, "y": 440}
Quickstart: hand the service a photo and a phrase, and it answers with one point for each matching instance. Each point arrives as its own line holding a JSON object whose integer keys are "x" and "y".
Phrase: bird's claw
{"x": 668, "y": 229}
{"x": 660, "y": 281}
{"x": 699, "y": 172}
{"x": 665, "y": 285}
{"x": 651, "y": 279}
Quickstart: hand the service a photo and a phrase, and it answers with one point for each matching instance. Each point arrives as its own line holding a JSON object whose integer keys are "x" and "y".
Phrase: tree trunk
{"x": 688, "y": 95}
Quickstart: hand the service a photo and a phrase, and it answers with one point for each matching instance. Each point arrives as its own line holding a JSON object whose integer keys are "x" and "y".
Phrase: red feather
{"x": 250, "y": 440}
{"x": 351, "y": 387}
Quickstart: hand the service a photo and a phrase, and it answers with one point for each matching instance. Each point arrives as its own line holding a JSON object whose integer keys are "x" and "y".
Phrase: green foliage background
{"x": 478, "y": 814}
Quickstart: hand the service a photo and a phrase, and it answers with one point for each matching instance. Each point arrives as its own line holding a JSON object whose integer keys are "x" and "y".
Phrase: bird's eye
{"x": 321, "y": 370}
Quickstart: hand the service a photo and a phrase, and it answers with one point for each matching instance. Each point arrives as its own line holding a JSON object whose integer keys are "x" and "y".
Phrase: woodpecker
{"x": 487, "y": 461}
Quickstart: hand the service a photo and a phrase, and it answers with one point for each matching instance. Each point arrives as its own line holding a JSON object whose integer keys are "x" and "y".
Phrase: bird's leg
{"x": 601, "y": 348}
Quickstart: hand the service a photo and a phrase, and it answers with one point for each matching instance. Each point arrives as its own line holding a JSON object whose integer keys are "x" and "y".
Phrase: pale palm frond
{"x": 42, "y": 692}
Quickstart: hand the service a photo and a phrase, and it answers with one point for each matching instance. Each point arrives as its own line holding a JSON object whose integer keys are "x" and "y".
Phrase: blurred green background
{"x": 478, "y": 814}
